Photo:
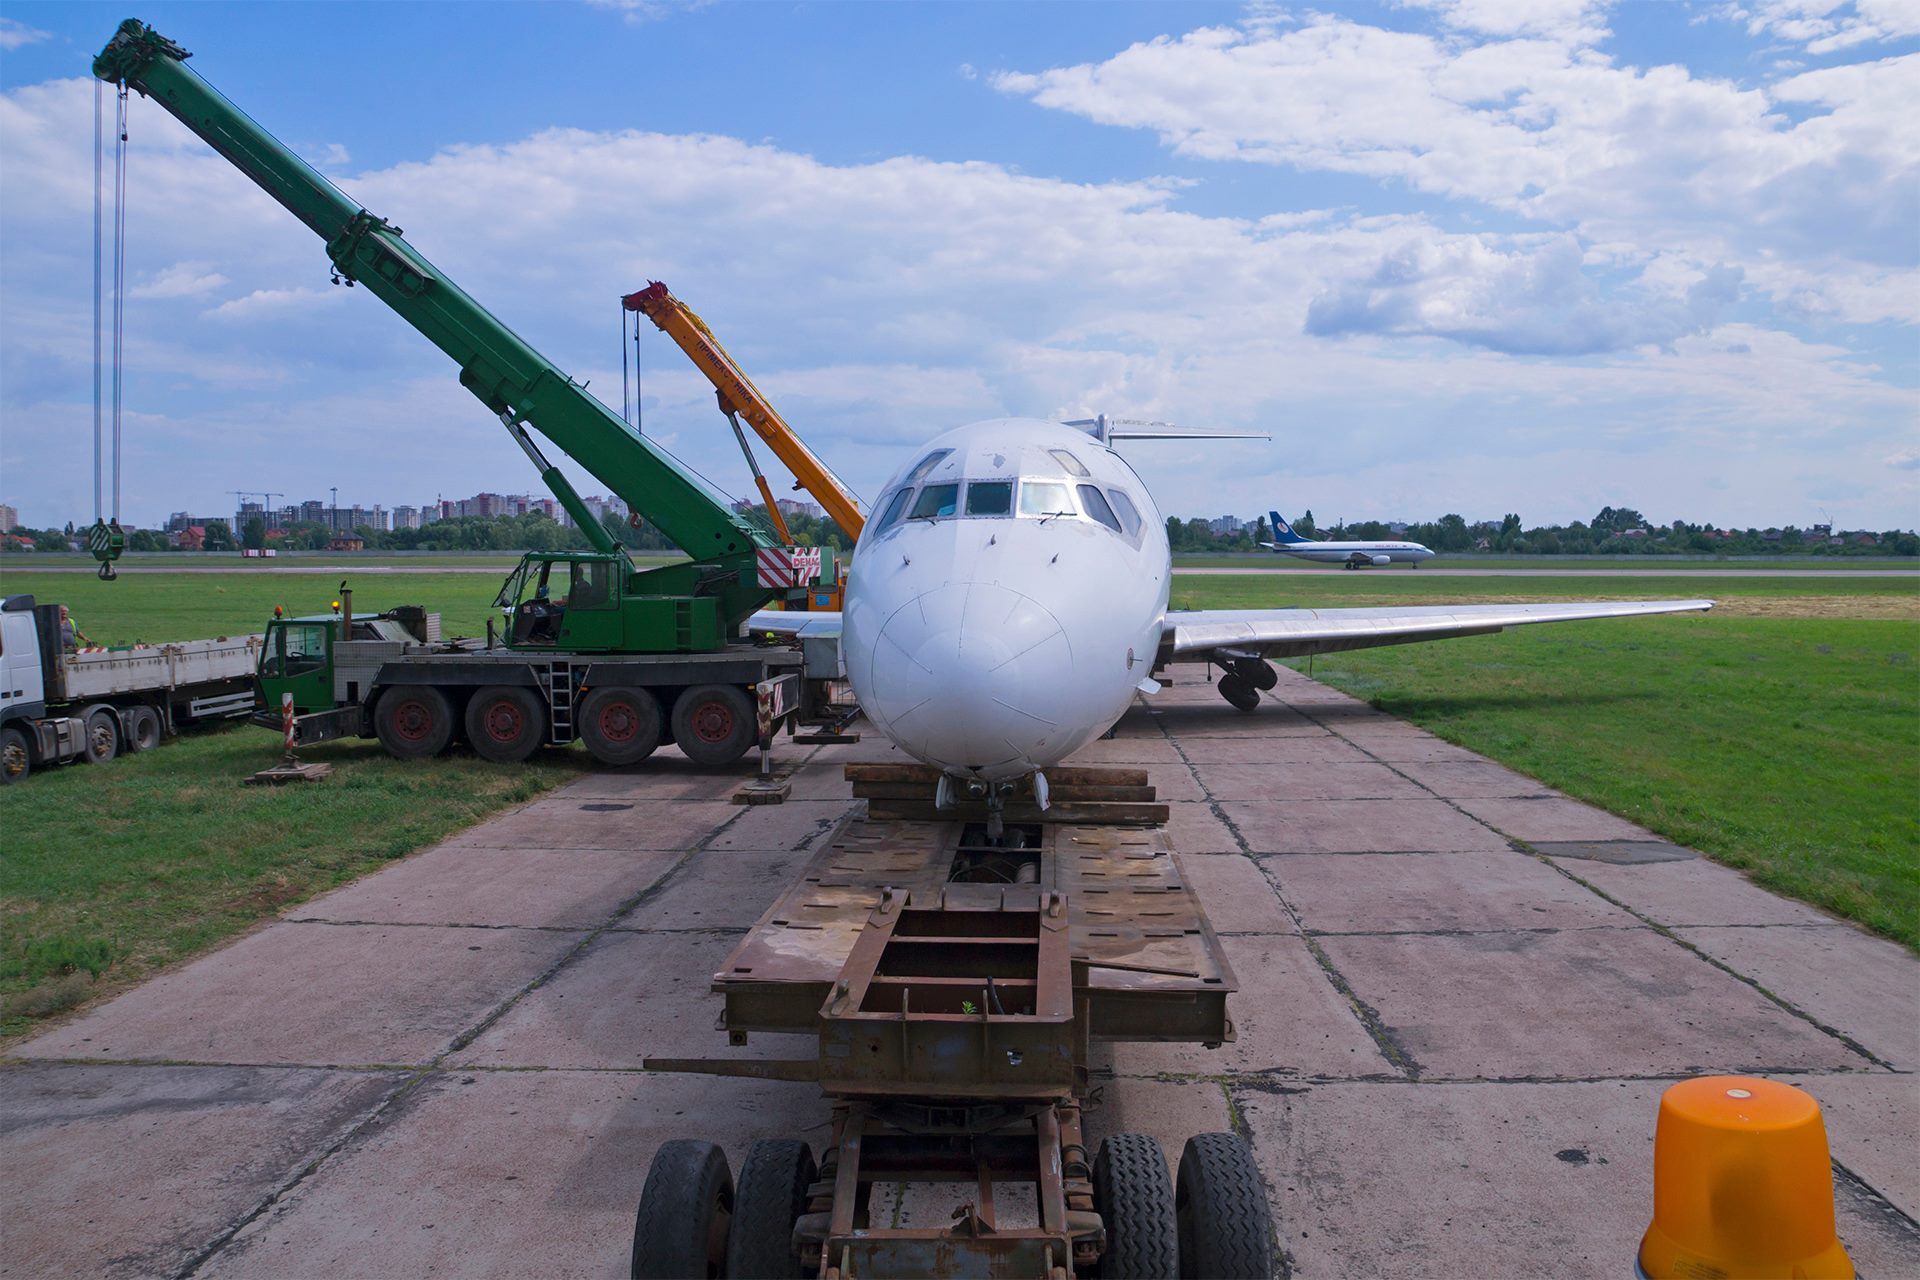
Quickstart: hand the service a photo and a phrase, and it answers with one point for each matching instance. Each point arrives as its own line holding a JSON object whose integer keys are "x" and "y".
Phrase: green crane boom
{"x": 515, "y": 382}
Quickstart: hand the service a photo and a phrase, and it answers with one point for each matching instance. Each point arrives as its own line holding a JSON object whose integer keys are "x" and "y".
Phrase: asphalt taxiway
{"x": 1461, "y": 996}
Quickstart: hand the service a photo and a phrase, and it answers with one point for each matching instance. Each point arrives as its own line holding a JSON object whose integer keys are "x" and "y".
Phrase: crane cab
{"x": 594, "y": 602}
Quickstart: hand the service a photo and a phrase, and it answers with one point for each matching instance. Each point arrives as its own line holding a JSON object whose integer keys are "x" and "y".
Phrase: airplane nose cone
{"x": 972, "y": 676}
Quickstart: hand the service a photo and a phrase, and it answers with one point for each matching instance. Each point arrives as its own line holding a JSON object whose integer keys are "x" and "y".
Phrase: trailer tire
{"x": 100, "y": 736}
{"x": 685, "y": 1211}
{"x": 16, "y": 759}
{"x": 619, "y": 725}
{"x": 1226, "y": 1224}
{"x": 1134, "y": 1198}
{"x": 768, "y": 1199}
{"x": 413, "y": 721}
{"x": 714, "y": 724}
{"x": 144, "y": 723}
{"x": 505, "y": 723}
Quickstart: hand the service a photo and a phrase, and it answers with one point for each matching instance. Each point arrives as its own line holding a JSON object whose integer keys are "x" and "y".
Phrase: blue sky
{"x": 1533, "y": 255}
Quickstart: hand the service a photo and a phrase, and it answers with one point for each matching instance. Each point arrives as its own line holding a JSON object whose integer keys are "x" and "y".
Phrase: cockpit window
{"x": 1124, "y": 508}
{"x": 1096, "y": 504}
{"x": 1045, "y": 498}
{"x": 990, "y": 498}
{"x": 894, "y": 509}
{"x": 925, "y": 465}
{"x": 936, "y": 500}
{"x": 1073, "y": 465}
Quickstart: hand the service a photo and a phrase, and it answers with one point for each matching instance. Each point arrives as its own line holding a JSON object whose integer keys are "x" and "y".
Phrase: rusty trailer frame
{"x": 955, "y": 988}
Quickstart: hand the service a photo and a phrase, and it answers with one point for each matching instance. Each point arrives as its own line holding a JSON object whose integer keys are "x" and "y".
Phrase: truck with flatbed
{"x": 61, "y": 702}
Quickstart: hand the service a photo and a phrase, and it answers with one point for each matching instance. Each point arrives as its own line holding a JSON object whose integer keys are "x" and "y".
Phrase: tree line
{"x": 1614, "y": 531}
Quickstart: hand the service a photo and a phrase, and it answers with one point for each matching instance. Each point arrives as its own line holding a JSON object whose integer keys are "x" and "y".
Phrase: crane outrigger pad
{"x": 1153, "y": 969}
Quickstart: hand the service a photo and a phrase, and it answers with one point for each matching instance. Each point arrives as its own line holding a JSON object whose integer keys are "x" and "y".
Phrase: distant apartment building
{"x": 1222, "y": 526}
{"x": 788, "y": 507}
{"x": 406, "y": 517}
{"x": 9, "y": 518}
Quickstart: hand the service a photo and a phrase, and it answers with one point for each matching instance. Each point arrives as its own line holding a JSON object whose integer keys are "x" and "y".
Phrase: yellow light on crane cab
{"x": 336, "y": 606}
{"x": 279, "y": 612}
{"x": 1742, "y": 1185}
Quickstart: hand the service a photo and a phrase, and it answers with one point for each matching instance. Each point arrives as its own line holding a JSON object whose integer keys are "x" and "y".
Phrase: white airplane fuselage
{"x": 993, "y": 629}
{"x": 1357, "y": 553}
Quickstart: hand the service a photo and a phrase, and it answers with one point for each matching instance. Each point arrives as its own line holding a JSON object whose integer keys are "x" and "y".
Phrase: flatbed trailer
{"x": 92, "y": 704}
{"x": 956, "y": 987}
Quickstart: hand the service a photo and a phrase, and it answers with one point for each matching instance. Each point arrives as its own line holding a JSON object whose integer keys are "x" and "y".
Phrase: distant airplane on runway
{"x": 1010, "y": 598}
{"x": 1354, "y": 555}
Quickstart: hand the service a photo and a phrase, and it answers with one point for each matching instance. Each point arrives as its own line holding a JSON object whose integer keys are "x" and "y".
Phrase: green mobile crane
{"x": 593, "y": 647}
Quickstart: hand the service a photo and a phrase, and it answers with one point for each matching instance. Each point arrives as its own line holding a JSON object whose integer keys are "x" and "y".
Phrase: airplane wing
{"x": 1198, "y": 635}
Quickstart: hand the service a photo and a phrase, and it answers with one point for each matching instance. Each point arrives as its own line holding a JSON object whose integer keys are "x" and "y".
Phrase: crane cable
{"x": 120, "y": 298}
{"x": 119, "y": 284}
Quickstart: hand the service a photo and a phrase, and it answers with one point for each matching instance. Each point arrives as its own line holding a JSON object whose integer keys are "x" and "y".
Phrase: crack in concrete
{"x": 419, "y": 1076}
{"x": 1377, "y": 1030}
{"x": 1526, "y": 849}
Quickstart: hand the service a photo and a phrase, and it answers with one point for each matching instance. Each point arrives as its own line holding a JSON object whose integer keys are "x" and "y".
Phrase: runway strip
{"x": 1461, "y": 995}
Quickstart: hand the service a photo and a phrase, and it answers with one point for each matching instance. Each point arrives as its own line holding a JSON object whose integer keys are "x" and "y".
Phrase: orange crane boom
{"x": 738, "y": 396}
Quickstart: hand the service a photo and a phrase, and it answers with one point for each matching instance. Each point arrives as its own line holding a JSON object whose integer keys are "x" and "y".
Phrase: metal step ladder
{"x": 559, "y": 687}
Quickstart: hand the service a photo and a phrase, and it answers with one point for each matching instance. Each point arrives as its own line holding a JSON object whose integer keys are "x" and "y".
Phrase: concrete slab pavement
{"x": 1453, "y": 1071}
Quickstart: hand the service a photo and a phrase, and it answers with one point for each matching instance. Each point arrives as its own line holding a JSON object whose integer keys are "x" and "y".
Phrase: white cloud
{"x": 880, "y": 302}
{"x": 1636, "y": 162}
{"x": 14, "y": 35}
{"x": 1829, "y": 26}
{"x": 639, "y": 12}
{"x": 181, "y": 280}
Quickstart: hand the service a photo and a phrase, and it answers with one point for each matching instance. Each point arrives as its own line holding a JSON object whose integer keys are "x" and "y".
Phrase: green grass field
{"x": 1780, "y": 733}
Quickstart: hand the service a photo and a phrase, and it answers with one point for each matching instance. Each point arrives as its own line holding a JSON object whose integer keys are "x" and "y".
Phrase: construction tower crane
{"x": 739, "y": 398}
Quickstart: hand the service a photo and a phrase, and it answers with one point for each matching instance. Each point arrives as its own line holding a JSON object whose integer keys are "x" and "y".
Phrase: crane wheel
{"x": 414, "y": 721}
{"x": 620, "y": 726}
{"x": 714, "y": 724}
{"x": 505, "y": 723}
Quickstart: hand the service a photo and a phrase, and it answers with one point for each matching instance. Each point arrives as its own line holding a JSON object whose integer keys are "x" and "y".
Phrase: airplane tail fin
{"x": 1283, "y": 534}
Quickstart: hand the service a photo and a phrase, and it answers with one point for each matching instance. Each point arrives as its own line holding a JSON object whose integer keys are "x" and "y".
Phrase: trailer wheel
{"x": 620, "y": 726}
{"x": 1226, "y": 1225}
{"x": 1135, "y": 1202}
{"x": 146, "y": 729}
{"x": 16, "y": 762}
{"x": 685, "y": 1210}
{"x": 714, "y": 724}
{"x": 1240, "y": 692}
{"x": 505, "y": 723}
{"x": 101, "y": 737}
{"x": 414, "y": 721}
{"x": 769, "y": 1198}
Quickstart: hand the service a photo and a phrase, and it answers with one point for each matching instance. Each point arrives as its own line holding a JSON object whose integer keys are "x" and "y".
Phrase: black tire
{"x": 1264, "y": 676}
{"x": 1134, "y": 1198}
{"x": 414, "y": 721}
{"x": 620, "y": 726}
{"x": 685, "y": 1210}
{"x": 146, "y": 729}
{"x": 16, "y": 758}
{"x": 505, "y": 723}
{"x": 1239, "y": 692}
{"x": 769, "y": 1198}
{"x": 1226, "y": 1225}
{"x": 100, "y": 737}
{"x": 714, "y": 724}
